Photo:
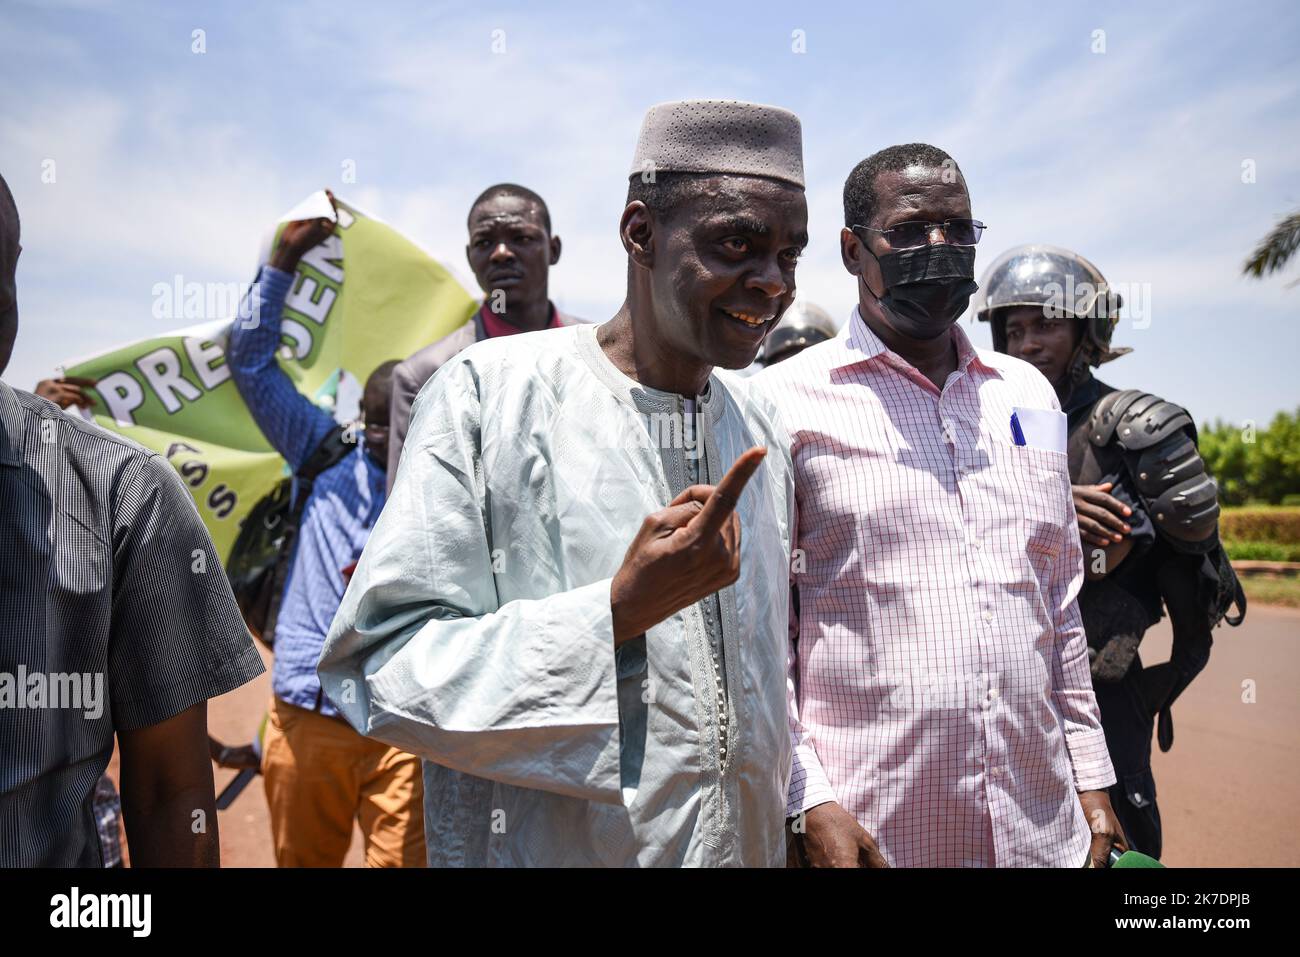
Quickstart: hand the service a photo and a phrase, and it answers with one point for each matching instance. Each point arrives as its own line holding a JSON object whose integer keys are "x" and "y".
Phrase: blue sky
{"x": 169, "y": 162}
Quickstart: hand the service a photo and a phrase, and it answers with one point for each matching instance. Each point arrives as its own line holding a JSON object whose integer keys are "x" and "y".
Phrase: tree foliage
{"x": 1275, "y": 249}
{"x": 1254, "y": 465}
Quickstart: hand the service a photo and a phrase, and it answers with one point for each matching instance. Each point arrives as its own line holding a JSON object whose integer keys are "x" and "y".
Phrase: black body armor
{"x": 1147, "y": 448}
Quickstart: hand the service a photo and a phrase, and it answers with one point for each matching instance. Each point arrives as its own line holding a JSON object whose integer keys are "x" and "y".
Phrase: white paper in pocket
{"x": 1042, "y": 428}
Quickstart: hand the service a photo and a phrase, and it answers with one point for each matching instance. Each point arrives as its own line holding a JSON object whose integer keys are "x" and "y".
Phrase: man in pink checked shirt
{"x": 942, "y": 710}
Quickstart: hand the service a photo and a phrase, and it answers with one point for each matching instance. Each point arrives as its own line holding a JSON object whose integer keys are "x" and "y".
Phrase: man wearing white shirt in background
{"x": 942, "y": 707}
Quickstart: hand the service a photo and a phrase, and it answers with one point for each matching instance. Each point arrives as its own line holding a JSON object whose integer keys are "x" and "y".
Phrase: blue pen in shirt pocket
{"x": 1017, "y": 435}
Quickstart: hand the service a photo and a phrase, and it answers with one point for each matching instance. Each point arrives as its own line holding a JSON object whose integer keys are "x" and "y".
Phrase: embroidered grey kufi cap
{"x": 721, "y": 136}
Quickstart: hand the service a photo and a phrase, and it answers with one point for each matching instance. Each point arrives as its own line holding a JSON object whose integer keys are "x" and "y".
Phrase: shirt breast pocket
{"x": 81, "y": 560}
{"x": 1042, "y": 488}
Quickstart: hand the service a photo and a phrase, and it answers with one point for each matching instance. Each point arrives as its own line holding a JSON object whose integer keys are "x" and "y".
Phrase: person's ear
{"x": 852, "y": 252}
{"x": 555, "y": 249}
{"x": 636, "y": 229}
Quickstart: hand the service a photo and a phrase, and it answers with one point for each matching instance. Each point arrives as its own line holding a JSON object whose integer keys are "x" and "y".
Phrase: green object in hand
{"x": 1131, "y": 859}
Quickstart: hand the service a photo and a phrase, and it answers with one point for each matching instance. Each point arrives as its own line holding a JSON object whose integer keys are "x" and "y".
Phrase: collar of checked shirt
{"x": 863, "y": 345}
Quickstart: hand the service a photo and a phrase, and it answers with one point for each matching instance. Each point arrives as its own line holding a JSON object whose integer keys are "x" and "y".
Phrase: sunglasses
{"x": 913, "y": 233}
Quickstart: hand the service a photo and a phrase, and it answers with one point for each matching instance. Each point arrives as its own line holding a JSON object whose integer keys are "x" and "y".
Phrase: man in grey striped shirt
{"x": 115, "y": 619}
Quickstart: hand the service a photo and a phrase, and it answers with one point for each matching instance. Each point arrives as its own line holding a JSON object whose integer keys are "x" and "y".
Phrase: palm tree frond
{"x": 1276, "y": 249}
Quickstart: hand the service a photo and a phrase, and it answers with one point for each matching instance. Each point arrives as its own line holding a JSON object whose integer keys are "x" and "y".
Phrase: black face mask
{"x": 927, "y": 288}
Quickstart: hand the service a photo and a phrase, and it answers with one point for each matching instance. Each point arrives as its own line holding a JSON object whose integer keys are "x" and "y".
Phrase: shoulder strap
{"x": 332, "y": 450}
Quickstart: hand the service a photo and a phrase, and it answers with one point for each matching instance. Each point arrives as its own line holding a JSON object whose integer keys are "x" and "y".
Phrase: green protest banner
{"x": 365, "y": 295}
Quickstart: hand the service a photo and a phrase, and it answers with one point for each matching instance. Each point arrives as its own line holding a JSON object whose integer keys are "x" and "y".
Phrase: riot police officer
{"x": 1147, "y": 510}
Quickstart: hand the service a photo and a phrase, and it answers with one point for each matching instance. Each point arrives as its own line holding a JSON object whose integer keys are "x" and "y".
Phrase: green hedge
{"x": 1262, "y": 551}
{"x": 1276, "y": 526}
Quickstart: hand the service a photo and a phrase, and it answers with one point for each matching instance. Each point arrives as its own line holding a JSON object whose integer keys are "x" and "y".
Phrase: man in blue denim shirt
{"x": 320, "y": 774}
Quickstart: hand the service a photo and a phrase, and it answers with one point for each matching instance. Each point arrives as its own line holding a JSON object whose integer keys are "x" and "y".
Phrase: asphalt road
{"x": 1229, "y": 790}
